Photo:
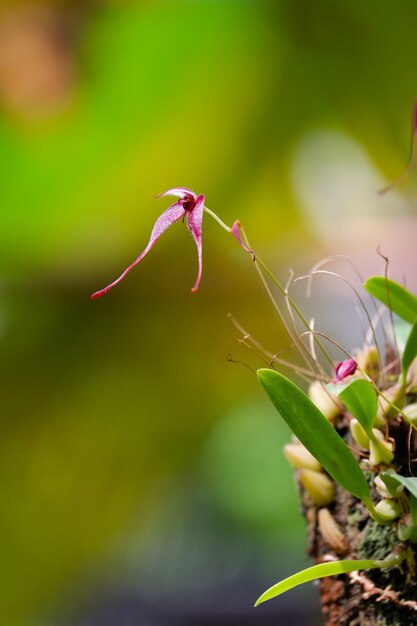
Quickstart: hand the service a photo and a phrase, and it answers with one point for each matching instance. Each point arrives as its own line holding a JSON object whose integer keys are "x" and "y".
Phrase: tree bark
{"x": 385, "y": 597}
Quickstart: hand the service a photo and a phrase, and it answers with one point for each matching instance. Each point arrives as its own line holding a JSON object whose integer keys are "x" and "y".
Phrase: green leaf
{"x": 318, "y": 571}
{"x": 394, "y": 296}
{"x": 409, "y": 482}
{"x": 402, "y": 331}
{"x": 314, "y": 431}
{"x": 410, "y": 351}
{"x": 360, "y": 400}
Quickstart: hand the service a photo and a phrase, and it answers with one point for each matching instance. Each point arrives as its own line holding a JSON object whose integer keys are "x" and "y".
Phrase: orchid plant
{"x": 351, "y": 427}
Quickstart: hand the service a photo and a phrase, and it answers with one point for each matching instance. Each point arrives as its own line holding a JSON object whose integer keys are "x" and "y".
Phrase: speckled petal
{"x": 164, "y": 221}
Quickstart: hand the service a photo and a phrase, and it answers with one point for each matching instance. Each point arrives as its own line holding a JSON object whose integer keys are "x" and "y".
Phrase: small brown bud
{"x": 331, "y": 532}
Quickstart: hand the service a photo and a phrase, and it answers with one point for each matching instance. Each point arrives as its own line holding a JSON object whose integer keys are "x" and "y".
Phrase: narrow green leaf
{"x": 332, "y": 568}
{"x": 409, "y": 482}
{"x": 360, "y": 400}
{"x": 402, "y": 331}
{"x": 410, "y": 351}
{"x": 314, "y": 431}
{"x": 394, "y": 296}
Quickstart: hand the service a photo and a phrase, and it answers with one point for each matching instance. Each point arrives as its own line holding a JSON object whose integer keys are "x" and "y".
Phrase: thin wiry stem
{"x": 377, "y": 319}
{"x": 394, "y": 335}
{"x": 332, "y": 341}
{"x": 293, "y": 304}
{"x": 305, "y": 373}
{"x": 230, "y": 359}
{"x": 312, "y": 343}
{"x": 342, "y": 257}
{"x": 365, "y": 335}
{"x": 259, "y": 262}
{"x": 255, "y": 349}
{"x": 259, "y": 267}
{"x": 329, "y": 273}
{"x": 311, "y": 352}
{"x": 218, "y": 220}
{"x": 287, "y": 301}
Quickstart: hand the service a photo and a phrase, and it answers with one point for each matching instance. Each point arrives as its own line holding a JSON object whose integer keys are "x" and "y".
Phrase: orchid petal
{"x": 179, "y": 192}
{"x": 195, "y": 223}
{"x": 174, "y": 213}
{"x": 238, "y": 236}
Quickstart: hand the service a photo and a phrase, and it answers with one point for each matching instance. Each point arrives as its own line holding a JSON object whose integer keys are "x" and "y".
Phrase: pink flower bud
{"x": 344, "y": 369}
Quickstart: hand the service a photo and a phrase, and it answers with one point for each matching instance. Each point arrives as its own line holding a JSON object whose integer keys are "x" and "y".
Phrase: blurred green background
{"x": 141, "y": 474}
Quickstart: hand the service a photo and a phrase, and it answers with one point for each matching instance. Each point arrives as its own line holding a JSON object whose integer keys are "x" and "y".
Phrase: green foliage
{"x": 317, "y": 571}
{"x": 394, "y": 296}
{"x": 314, "y": 431}
{"x": 393, "y": 480}
{"x": 410, "y": 351}
{"x": 360, "y": 399}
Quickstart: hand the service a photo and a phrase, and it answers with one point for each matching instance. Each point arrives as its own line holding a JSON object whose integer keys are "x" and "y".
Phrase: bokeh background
{"x": 141, "y": 474}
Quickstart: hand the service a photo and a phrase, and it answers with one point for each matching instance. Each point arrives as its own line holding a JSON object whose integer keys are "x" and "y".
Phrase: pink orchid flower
{"x": 190, "y": 207}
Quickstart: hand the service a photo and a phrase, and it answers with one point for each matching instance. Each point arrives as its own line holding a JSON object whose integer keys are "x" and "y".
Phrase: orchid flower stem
{"x": 296, "y": 341}
{"x": 294, "y": 306}
{"x": 290, "y": 300}
{"x": 218, "y": 220}
{"x": 260, "y": 267}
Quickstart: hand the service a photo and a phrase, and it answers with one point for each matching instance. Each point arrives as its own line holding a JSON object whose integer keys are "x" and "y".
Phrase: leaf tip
{"x": 259, "y": 601}
{"x": 263, "y": 371}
